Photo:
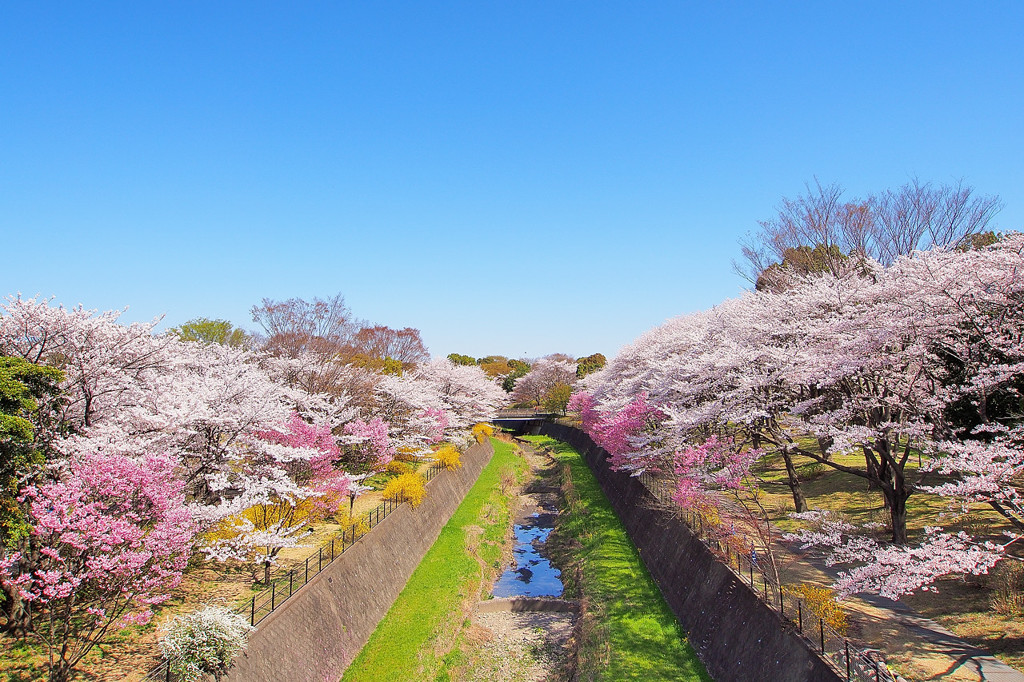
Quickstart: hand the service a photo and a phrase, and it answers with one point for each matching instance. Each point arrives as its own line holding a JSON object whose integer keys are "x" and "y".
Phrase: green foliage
{"x": 495, "y": 365}
{"x": 802, "y": 260}
{"x": 460, "y": 359}
{"x": 629, "y": 632}
{"x": 412, "y": 641}
{"x": 590, "y": 364}
{"x": 557, "y": 398}
{"x": 205, "y": 330}
{"x": 979, "y": 240}
{"x": 519, "y": 369}
{"x": 22, "y": 385}
{"x": 392, "y": 367}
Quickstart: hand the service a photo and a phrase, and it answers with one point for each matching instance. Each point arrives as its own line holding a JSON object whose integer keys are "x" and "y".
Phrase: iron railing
{"x": 845, "y": 658}
{"x": 285, "y": 583}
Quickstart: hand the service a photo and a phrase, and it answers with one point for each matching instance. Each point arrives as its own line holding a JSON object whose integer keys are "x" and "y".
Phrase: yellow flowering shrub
{"x": 351, "y": 524}
{"x": 482, "y": 432}
{"x": 448, "y": 457}
{"x": 398, "y": 468}
{"x": 280, "y": 515}
{"x": 822, "y": 603}
{"x": 410, "y": 487}
{"x": 407, "y": 453}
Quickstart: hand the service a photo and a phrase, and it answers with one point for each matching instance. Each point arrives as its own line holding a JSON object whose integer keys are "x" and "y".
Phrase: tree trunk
{"x": 823, "y": 445}
{"x": 898, "y": 514}
{"x": 799, "y": 501}
{"x": 266, "y": 573}
{"x": 60, "y": 672}
{"x": 16, "y": 614}
{"x": 871, "y": 467}
{"x": 894, "y": 489}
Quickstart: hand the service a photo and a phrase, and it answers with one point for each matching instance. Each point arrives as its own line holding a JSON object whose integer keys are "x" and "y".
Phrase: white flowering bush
{"x": 204, "y": 642}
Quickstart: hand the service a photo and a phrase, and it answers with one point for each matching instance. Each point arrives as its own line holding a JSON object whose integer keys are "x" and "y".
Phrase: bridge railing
{"x": 526, "y": 413}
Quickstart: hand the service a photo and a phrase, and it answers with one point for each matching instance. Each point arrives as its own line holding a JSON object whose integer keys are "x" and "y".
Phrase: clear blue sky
{"x": 517, "y": 178}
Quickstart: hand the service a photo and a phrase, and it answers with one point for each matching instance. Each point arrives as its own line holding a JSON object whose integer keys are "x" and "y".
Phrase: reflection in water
{"x": 531, "y": 575}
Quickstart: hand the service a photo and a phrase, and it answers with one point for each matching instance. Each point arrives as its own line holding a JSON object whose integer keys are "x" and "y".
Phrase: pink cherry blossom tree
{"x": 370, "y": 444}
{"x": 111, "y": 537}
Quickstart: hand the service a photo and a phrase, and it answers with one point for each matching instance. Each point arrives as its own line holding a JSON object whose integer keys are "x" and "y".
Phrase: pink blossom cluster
{"x": 374, "y": 445}
{"x": 321, "y": 472}
{"x": 114, "y": 536}
{"x": 716, "y": 463}
{"x": 544, "y": 375}
{"x": 627, "y": 433}
{"x": 440, "y": 423}
{"x": 893, "y": 570}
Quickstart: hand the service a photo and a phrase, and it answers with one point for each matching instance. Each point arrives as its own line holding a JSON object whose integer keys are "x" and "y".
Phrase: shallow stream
{"x": 531, "y": 573}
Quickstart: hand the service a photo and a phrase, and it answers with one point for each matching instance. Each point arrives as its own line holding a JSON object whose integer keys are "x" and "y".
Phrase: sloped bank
{"x": 421, "y": 636}
{"x": 626, "y": 630}
{"x": 321, "y": 629}
{"x": 736, "y": 635}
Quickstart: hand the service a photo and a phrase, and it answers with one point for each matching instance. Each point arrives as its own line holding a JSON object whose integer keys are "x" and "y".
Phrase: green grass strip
{"x": 424, "y": 622}
{"x": 633, "y": 634}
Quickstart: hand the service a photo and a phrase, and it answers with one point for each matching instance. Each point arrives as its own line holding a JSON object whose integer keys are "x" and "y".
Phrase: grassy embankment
{"x": 628, "y": 631}
{"x": 425, "y": 622}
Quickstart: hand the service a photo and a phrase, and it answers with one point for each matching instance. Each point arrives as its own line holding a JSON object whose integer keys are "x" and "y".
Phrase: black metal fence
{"x": 286, "y": 582}
{"x": 739, "y": 553}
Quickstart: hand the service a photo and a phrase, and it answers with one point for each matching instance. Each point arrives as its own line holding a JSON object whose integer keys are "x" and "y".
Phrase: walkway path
{"x": 918, "y": 647}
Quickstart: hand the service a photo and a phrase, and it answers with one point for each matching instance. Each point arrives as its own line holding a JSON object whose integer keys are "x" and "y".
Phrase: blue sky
{"x": 517, "y": 178}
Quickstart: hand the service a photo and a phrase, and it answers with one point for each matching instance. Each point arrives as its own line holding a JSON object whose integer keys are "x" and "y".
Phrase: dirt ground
{"x": 517, "y": 647}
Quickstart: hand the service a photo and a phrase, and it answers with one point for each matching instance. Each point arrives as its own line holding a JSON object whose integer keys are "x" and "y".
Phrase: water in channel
{"x": 531, "y": 573}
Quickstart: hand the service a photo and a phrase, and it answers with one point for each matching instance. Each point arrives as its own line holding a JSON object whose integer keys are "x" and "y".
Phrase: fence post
{"x": 252, "y": 615}
{"x": 876, "y": 670}
{"x": 800, "y": 614}
{"x": 291, "y": 574}
{"x": 273, "y": 595}
{"x": 821, "y": 629}
{"x": 847, "y": 660}
{"x": 764, "y": 579}
{"x": 168, "y": 678}
{"x": 342, "y": 544}
{"x": 306, "y": 580}
{"x": 320, "y": 564}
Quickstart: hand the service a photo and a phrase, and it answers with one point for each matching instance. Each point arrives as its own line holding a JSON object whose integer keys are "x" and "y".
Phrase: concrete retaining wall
{"x": 316, "y": 633}
{"x": 736, "y": 635}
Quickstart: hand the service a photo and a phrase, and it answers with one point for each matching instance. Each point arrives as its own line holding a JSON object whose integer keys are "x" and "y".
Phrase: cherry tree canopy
{"x": 921, "y": 357}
